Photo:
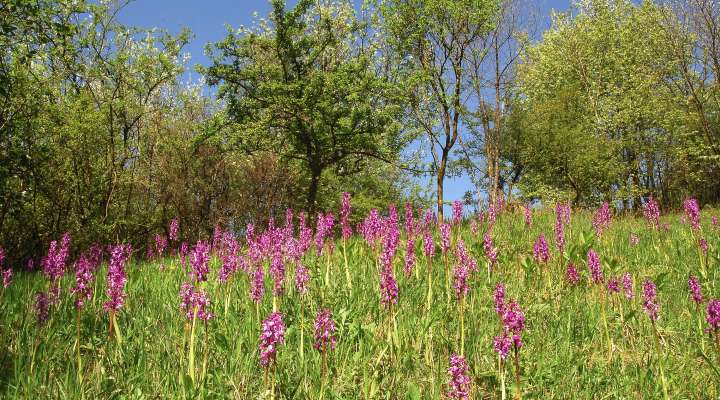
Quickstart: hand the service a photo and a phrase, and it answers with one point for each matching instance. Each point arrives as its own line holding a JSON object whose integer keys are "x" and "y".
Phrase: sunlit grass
{"x": 570, "y": 351}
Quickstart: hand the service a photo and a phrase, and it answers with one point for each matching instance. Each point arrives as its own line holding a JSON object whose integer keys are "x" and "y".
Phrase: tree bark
{"x": 440, "y": 184}
{"x": 313, "y": 190}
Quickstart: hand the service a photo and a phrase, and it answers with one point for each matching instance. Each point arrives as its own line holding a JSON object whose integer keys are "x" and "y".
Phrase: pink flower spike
{"x": 459, "y": 383}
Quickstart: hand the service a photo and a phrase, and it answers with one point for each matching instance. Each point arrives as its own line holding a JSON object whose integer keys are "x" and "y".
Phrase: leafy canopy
{"x": 305, "y": 85}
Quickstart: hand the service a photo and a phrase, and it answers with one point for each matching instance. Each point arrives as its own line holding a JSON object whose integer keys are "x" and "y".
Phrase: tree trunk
{"x": 490, "y": 166}
{"x": 494, "y": 153}
{"x": 440, "y": 183}
{"x": 313, "y": 190}
{"x": 651, "y": 174}
{"x": 496, "y": 187}
{"x": 636, "y": 198}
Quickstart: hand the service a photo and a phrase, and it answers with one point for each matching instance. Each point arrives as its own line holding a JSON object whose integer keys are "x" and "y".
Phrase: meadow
{"x": 197, "y": 320}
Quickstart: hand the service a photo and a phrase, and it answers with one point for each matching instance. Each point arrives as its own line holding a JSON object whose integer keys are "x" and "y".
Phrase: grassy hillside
{"x": 579, "y": 341}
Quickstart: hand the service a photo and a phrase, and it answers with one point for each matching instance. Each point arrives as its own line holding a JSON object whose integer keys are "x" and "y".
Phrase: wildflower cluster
{"x": 692, "y": 212}
{"x": 199, "y": 259}
{"x": 541, "y": 254}
{"x": 650, "y": 303}
{"x": 409, "y": 257}
{"x": 464, "y": 265}
{"x": 231, "y": 261}
{"x": 563, "y": 213}
{"x": 651, "y": 211}
{"x": 571, "y": 274}
{"x": 627, "y": 282}
{"x": 513, "y": 320}
{"x": 257, "y": 284}
{"x": 527, "y": 211}
{"x": 324, "y": 331}
{"x": 601, "y": 219}
{"x": 302, "y": 277}
{"x": 444, "y": 238}
{"x": 459, "y": 382}
{"x": 513, "y": 323}
{"x": 410, "y": 228}
{"x": 117, "y": 278}
{"x": 457, "y": 211}
{"x": 53, "y": 265}
{"x": 593, "y": 261}
{"x": 271, "y": 336}
{"x": 323, "y": 230}
{"x": 390, "y": 241}
{"x": 713, "y": 316}
{"x": 490, "y": 250}
{"x": 371, "y": 228}
{"x": 428, "y": 244}
{"x": 195, "y": 303}
{"x": 82, "y": 290}
{"x": 613, "y": 286}
{"x": 695, "y": 290}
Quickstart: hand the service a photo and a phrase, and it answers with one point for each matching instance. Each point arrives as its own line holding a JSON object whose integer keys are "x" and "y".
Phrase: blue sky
{"x": 207, "y": 20}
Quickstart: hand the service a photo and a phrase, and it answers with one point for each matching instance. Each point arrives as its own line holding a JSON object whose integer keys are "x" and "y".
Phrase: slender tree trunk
{"x": 496, "y": 172}
{"x": 651, "y": 174}
{"x": 313, "y": 190}
{"x": 440, "y": 184}
{"x": 636, "y": 198}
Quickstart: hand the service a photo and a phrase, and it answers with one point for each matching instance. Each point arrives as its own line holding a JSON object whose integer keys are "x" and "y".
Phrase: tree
{"x": 434, "y": 40}
{"x": 81, "y": 92}
{"x": 601, "y": 120}
{"x": 493, "y": 69}
{"x": 35, "y": 40}
{"x": 693, "y": 33}
{"x": 304, "y": 85}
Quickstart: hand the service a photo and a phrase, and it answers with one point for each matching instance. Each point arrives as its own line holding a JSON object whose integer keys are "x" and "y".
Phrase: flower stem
{"x": 518, "y": 395}
{"x": 660, "y": 361}
{"x": 186, "y": 333}
{"x": 257, "y": 312}
{"x": 227, "y": 299}
{"x": 191, "y": 350}
{"x": 206, "y": 350}
{"x": 114, "y": 328}
{"x": 503, "y": 394}
{"x": 605, "y": 324}
{"x": 327, "y": 270}
{"x": 79, "y": 356}
{"x": 447, "y": 278}
{"x": 323, "y": 374}
{"x": 462, "y": 326}
{"x": 347, "y": 269}
{"x": 272, "y": 381}
{"x": 302, "y": 332}
{"x": 429, "y": 293}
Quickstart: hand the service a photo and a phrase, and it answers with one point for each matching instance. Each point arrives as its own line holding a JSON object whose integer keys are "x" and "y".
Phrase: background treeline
{"x": 101, "y": 136}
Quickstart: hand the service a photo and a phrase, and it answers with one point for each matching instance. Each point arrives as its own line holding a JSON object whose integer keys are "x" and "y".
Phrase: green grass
{"x": 567, "y": 354}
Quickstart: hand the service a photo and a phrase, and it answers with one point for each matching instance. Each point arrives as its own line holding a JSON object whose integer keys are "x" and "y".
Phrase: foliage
{"x": 100, "y": 137}
{"x": 597, "y": 114}
{"x": 304, "y": 85}
{"x": 432, "y": 43}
